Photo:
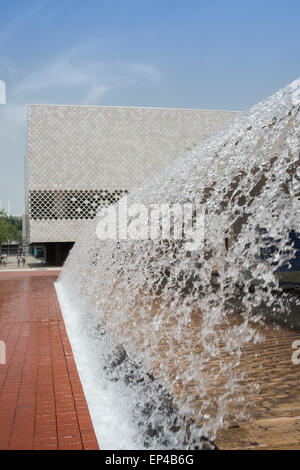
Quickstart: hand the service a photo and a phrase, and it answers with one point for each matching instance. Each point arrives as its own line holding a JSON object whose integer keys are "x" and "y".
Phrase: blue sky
{"x": 214, "y": 54}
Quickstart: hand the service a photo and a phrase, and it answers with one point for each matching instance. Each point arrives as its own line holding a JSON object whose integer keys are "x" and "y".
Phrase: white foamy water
{"x": 106, "y": 402}
{"x": 185, "y": 317}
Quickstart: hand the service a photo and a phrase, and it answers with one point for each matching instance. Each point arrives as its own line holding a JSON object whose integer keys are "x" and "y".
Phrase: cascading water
{"x": 174, "y": 321}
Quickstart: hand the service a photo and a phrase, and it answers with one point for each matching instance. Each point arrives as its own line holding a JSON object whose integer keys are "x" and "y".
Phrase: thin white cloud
{"x": 89, "y": 79}
{"x": 58, "y": 74}
{"x": 95, "y": 94}
{"x": 144, "y": 70}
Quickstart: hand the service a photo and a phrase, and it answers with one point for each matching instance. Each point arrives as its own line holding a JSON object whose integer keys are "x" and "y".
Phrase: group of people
{"x": 4, "y": 258}
{"x": 20, "y": 258}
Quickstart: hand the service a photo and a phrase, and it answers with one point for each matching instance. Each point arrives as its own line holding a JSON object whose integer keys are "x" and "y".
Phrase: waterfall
{"x": 175, "y": 298}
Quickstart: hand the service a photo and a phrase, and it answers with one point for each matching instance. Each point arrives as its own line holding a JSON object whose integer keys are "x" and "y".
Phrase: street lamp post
{"x": 2, "y": 92}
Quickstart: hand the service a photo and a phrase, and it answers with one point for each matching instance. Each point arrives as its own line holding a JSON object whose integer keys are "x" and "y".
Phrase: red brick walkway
{"x": 42, "y": 404}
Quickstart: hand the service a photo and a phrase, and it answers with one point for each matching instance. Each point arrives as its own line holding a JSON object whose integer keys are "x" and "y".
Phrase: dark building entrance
{"x": 52, "y": 254}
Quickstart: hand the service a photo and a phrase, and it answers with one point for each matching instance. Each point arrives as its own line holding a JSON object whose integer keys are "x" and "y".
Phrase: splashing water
{"x": 174, "y": 322}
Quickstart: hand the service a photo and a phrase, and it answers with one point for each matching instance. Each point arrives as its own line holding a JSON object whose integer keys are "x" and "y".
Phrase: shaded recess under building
{"x": 82, "y": 158}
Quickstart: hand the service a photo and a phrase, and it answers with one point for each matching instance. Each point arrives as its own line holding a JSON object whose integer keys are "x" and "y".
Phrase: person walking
{"x": 18, "y": 260}
{"x": 23, "y": 260}
{"x": 4, "y": 256}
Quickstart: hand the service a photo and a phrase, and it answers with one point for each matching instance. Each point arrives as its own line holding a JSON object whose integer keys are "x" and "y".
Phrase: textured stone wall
{"x": 80, "y": 158}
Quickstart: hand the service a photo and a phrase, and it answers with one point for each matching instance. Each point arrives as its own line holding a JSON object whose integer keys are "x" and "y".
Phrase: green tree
{"x": 8, "y": 230}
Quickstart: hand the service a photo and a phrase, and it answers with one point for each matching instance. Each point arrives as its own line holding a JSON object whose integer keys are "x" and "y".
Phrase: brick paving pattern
{"x": 42, "y": 404}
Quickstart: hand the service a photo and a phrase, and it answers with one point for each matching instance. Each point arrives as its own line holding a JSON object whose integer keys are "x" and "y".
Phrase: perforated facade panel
{"x": 80, "y": 158}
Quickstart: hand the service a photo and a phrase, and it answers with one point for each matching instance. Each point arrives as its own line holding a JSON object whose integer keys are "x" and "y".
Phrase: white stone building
{"x": 80, "y": 158}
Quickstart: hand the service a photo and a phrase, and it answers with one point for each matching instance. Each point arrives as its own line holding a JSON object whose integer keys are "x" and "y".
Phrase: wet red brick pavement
{"x": 42, "y": 404}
